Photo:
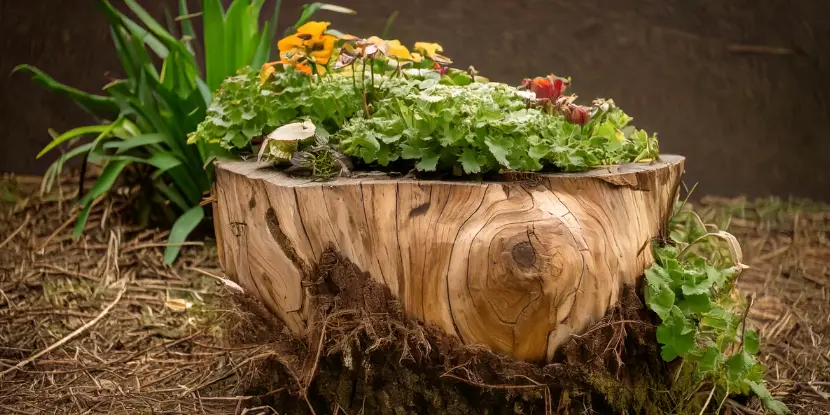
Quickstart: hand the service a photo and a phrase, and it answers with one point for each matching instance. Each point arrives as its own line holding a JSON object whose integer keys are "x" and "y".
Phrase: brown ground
{"x": 126, "y": 334}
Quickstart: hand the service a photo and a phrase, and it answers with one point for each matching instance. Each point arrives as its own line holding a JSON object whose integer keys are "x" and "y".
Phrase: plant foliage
{"x": 146, "y": 117}
{"x": 691, "y": 288}
{"x": 436, "y": 122}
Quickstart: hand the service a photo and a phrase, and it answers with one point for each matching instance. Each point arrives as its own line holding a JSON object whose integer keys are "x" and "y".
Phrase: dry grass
{"x": 787, "y": 245}
{"x": 126, "y": 334}
{"x": 138, "y": 336}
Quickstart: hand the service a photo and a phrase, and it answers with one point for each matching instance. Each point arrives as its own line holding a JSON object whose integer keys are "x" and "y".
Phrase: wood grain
{"x": 516, "y": 266}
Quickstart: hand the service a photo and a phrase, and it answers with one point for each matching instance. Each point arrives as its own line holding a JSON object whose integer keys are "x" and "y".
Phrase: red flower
{"x": 576, "y": 114}
{"x": 549, "y": 88}
{"x": 442, "y": 70}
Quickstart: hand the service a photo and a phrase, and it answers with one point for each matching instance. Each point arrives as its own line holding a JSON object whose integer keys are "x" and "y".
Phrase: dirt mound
{"x": 363, "y": 354}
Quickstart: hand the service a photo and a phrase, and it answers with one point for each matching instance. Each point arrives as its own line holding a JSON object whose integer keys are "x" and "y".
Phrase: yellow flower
{"x": 309, "y": 44}
{"x": 427, "y": 48}
{"x": 431, "y": 50}
{"x": 313, "y": 29}
{"x": 394, "y": 48}
{"x": 322, "y": 50}
{"x": 266, "y": 71}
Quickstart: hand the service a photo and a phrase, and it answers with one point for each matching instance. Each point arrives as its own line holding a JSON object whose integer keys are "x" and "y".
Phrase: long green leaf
{"x": 80, "y": 223}
{"x": 161, "y": 161}
{"x": 172, "y": 194}
{"x": 389, "y": 22}
{"x": 73, "y": 133}
{"x": 97, "y": 105}
{"x": 188, "y": 34}
{"x": 151, "y": 23}
{"x": 310, "y": 9}
{"x": 156, "y": 45}
{"x": 181, "y": 229}
{"x": 236, "y": 43}
{"x": 133, "y": 142}
{"x": 105, "y": 181}
{"x": 213, "y": 17}
{"x": 263, "y": 51}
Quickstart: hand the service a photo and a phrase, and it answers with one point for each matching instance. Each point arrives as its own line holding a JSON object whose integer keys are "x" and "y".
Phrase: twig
{"x": 70, "y": 336}
{"x": 317, "y": 357}
{"x": 709, "y": 399}
{"x": 743, "y": 408}
{"x": 743, "y": 319}
{"x": 16, "y": 231}
{"x": 159, "y": 245}
{"x": 484, "y": 385}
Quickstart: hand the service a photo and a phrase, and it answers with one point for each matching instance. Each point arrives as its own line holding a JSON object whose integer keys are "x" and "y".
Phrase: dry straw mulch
{"x": 787, "y": 245}
{"x": 123, "y": 333}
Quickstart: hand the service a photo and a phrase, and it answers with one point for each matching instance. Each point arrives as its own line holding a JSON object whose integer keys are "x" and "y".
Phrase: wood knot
{"x": 524, "y": 254}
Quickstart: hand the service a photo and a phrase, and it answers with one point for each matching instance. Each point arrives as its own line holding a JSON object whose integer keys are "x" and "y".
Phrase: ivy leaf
{"x": 739, "y": 365}
{"x": 710, "y": 361}
{"x": 716, "y": 276}
{"x": 659, "y": 296}
{"x": 499, "y": 151}
{"x": 695, "y": 303}
{"x": 771, "y": 404}
{"x": 469, "y": 161}
{"x": 751, "y": 342}
{"x": 716, "y": 318}
{"x": 428, "y": 161}
{"x": 677, "y": 335}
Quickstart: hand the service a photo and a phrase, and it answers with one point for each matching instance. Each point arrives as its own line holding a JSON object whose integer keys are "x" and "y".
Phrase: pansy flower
{"x": 549, "y": 88}
{"x": 431, "y": 51}
{"x": 309, "y": 45}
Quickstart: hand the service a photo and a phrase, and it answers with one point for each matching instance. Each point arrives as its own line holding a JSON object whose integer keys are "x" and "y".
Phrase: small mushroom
{"x": 284, "y": 140}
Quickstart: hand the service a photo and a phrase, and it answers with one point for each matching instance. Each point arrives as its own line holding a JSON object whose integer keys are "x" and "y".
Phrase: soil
{"x": 375, "y": 359}
{"x": 150, "y": 338}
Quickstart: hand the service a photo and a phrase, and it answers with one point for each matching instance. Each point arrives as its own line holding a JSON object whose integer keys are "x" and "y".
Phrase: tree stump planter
{"x": 518, "y": 266}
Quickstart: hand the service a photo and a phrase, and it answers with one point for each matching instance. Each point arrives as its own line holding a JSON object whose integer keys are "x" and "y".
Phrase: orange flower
{"x": 309, "y": 44}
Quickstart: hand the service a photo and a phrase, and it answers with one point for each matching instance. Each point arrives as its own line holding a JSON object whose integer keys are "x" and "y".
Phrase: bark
{"x": 518, "y": 266}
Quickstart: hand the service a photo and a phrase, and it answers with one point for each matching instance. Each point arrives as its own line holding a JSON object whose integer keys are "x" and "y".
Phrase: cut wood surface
{"x": 518, "y": 266}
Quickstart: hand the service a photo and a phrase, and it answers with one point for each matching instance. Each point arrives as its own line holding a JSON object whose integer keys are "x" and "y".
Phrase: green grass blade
{"x": 156, "y": 45}
{"x": 213, "y": 19}
{"x": 266, "y": 40}
{"x": 181, "y": 229}
{"x": 204, "y": 91}
{"x": 310, "y": 9}
{"x": 389, "y": 22}
{"x": 80, "y": 223}
{"x": 172, "y": 194}
{"x": 105, "y": 181}
{"x": 151, "y": 23}
{"x": 188, "y": 34}
{"x": 143, "y": 140}
{"x": 97, "y": 105}
{"x": 235, "y": 39}
{"x": 73, "y": 133}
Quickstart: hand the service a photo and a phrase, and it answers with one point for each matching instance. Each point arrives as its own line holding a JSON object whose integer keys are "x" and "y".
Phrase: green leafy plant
{"x": 382, "y": 105}
{"x": 146, "y": 117}
{"x": 233, "y": 38}
{"x": 691, "y": 288}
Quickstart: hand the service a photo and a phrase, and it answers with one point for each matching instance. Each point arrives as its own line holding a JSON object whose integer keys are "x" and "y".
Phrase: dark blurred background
{"x": 740, "y": 87}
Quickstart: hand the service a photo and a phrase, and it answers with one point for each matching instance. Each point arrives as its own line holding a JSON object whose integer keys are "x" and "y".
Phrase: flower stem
{"x": 365, "y": 104}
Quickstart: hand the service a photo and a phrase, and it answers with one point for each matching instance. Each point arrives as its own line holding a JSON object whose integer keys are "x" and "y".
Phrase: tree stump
{"x": 518, "y": 266}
